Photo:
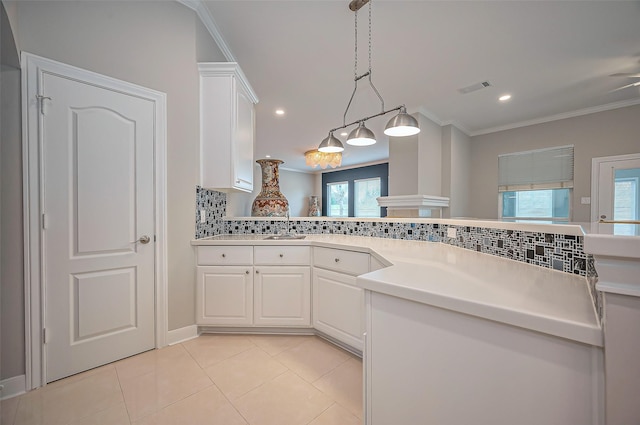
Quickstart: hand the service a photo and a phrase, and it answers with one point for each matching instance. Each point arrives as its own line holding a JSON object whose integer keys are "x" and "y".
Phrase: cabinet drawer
{"x": 350, "y": 262}
{"x": 225, "y": 255}
{"x": 282, "y": 255}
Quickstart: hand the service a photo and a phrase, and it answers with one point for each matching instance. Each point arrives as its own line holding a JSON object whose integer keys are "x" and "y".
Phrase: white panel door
{"x": 98, "y": 213}
{"x": 616, "y": 190}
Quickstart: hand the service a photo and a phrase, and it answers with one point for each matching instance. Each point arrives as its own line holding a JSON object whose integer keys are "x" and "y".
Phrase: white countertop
{"x": 616, "y": 249}
{"x": 469, "y": 282}
{"x": 613, "y": 240}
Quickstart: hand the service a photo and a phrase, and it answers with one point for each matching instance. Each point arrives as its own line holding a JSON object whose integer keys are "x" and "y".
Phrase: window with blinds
{"x": 550, "y": 168}
{"x": 536, "y": 185}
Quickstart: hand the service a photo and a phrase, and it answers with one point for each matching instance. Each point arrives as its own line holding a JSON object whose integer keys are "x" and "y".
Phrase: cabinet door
{"x": 282, "y": 296}
{"x": 338, "y": 307}
{"x": 224, "y": 295}
{"x": 243, "y": 142}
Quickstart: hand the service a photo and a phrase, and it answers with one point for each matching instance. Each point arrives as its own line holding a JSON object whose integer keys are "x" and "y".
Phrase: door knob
{"x": 144, "y": 239}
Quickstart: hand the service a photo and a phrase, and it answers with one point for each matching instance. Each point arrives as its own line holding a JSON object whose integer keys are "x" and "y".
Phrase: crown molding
{"x": 429, "y": 115}
{"x": 441, "y": 123}
{"x": 210, "y": 24}
{"x": 565, "y": 115}
{"x": 457, "y": 125}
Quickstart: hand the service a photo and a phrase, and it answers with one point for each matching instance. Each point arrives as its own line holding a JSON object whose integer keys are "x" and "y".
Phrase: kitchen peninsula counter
{"x": 461, "y": 280}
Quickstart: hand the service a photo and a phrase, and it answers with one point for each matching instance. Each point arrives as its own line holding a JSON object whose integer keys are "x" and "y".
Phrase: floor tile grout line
{"x": 219, "y": 389}
{"x": 122, "y": 392}
{"x": 321, "y": 413}
{"x": 271, "y": 357}
{"x": 212, "y": 383}
{"x": 174, "y": 402}
{"x": 213, "y": 364}
{"x": 75, "y": 382}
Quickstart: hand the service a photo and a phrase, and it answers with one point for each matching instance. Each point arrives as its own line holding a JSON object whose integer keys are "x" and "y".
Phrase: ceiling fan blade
{"x": 626, "y": 74}
{"x": 624, "y": 87}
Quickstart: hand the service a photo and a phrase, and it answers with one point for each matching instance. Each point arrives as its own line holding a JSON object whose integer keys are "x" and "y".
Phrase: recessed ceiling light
{"x": 279, "y": 111}
{"x": 504, "y": 98}
{"x": 267, "y": 156}
{"x": 344, "y": 133}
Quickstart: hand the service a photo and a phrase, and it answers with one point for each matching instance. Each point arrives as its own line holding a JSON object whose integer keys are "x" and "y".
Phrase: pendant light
{"x": 401, "y": 125}
{"x": 331, "y": 144}
{"x": 361, "y": 136}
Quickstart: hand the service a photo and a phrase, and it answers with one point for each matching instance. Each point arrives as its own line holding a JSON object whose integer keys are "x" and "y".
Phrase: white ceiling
{"x": 553, "y": 57}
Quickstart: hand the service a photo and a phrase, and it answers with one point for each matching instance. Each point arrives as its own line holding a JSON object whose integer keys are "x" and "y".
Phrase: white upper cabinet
{"x": 227, "y": 127}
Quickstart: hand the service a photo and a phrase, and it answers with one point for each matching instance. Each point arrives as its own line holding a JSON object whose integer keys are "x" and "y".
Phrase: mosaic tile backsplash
{"x": 214, "y": 205}
{"x": 556, "y": 251}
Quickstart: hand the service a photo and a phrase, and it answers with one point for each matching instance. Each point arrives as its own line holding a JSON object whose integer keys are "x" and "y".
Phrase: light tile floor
{"x": 210, "y": 380}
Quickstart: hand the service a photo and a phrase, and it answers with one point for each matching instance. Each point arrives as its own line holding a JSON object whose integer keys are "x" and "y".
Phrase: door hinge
{"x": 154, "y": 238}
{"x": 45, "y": 221}
{"x": 45, "y": 336}
{"x": 42, "y": 104}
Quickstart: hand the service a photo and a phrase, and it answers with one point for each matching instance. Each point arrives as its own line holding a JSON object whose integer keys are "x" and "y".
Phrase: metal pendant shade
{"x": 361, "y": 136}
{"x": 402, "y": 125}
{"x": 331, "y": 144}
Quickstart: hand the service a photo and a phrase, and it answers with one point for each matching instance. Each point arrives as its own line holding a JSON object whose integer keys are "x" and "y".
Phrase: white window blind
{"x": 550, "y": 168}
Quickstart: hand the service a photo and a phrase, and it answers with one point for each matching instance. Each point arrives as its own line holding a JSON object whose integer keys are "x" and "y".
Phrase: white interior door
{"x": 98, "y": 220}
{"x": 616, "y": 188}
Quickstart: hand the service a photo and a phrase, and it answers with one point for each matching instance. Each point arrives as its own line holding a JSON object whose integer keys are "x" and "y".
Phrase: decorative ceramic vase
{"x": 314, "y": 209}
{"x": 270, "y": 202}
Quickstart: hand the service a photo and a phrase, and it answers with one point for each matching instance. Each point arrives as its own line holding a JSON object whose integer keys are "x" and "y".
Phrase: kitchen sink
{"x": 284, "y": 237}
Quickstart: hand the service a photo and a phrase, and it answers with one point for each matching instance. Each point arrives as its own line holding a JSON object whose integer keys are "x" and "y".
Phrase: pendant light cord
{"x": 357, "y": 77}
{"x": 355, "y": 61}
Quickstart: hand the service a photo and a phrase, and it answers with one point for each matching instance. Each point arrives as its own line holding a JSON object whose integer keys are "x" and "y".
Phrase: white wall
{"x": 296, "y": 186}
{"x": 403, "y": 165}
{"x": 614, "y": 132}
{"x": 415, "y": 162}
{"x": 156, "y": 45}
{"x": 456, "y": 159}
{"x": 429, "y": 157}
{"x": 12, "y": 355}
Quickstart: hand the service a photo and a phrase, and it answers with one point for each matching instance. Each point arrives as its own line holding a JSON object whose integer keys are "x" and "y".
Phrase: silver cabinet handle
{"x": 144, "y": 239}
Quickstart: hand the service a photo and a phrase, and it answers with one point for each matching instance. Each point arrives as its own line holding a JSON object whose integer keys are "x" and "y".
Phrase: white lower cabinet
{"x": 275, "y": 286}
{"x": 224, "y": 295}
{"x": 282, "y": 296}
{"x": 338, "y": 304}
{"x": 246, "y": 286}
{"x": 338, "y": 307}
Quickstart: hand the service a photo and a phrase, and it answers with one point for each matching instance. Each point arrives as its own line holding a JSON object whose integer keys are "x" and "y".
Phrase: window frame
{"x": 542, "y": 219}
{"x": 328, "y": 190}
{"x": 549, "y": 168}
{"x": 352, "y": 174}
{"x": 355, "y": 194}
{"x": 636, "y": 182}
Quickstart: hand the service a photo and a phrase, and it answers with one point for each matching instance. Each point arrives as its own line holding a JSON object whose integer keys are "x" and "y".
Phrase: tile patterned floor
{"x": 210, "y": 380}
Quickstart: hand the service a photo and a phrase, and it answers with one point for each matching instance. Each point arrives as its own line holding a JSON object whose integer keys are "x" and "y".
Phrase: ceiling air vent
{"x": 474, "y": 87}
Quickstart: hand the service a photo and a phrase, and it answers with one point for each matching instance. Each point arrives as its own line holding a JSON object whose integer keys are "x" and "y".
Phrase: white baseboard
{"x": 12, "y": 387}
{"x": 182, "y": 334}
